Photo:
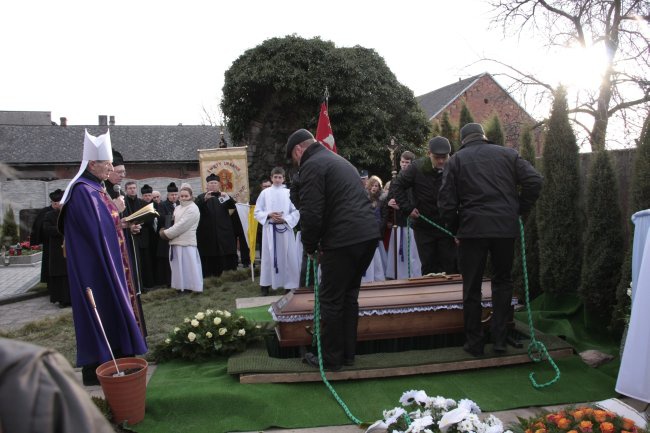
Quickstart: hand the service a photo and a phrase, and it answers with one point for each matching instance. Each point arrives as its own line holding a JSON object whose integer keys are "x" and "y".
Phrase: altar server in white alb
{"x": 274, "y": 210}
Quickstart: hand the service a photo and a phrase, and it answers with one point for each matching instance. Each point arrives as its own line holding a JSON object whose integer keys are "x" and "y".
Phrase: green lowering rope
{"x": 536, "y": 350}
{"x": 312, "y": 263}
{"x": 534, "y": 345}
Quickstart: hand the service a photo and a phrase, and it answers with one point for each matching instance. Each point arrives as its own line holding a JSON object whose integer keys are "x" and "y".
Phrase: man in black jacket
{"x": 424, "y": 176}
{"x": 337, "y": 221}
{"x": 215, "y": 235}
{"x": 484, "y": 190}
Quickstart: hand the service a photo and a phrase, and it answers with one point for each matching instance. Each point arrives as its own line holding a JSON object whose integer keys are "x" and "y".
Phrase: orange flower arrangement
{"x": 582, "y": 419}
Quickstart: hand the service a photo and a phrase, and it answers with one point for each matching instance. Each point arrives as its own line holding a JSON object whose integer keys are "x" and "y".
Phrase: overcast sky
{"x": 160, "y": 62}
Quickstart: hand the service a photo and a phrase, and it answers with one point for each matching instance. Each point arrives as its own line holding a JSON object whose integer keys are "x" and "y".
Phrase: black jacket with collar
{"x": 424, "y": 181}
{"x": 485, "y": 188}
{"x": 335, "y": 210}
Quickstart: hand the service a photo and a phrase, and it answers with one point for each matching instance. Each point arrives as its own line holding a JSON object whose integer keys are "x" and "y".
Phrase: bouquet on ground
{"x": 583, "y": 419}
{"x": 423, "y": 414}
{"x": 208, "y": 334}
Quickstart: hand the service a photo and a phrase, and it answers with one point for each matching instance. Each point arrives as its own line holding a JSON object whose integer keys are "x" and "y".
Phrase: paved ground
{"x": 16, "y": 280}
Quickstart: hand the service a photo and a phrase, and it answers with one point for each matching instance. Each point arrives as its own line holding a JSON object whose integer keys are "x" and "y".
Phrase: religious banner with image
{"x": 231, "y": 165}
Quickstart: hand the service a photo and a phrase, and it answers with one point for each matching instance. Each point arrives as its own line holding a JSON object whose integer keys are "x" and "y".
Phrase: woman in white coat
{"x": 184, "y": 258}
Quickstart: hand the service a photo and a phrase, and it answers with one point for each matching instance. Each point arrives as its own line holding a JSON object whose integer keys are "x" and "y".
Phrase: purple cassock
{"x": 96, "y": 252}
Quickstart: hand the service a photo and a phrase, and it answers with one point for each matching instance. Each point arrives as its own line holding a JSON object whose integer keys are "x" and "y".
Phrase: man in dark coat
{"x": 215, "y": 235}
{"x": 57, "y": 280}
{"x": 37, "y": 237}
{"x": 142, "y": 239}
{"x": 337, "y": 222}
{"x": 485, "y": 189}
{"x": 165, "y": 221}
{"x": 423, "y": 177}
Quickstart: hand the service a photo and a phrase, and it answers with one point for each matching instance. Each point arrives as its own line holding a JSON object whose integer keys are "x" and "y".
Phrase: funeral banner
{"x": 231, "y": 165}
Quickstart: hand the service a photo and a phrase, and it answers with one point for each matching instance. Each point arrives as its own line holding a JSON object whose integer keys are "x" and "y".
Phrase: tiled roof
{"x": 58, "y": 144}
{"x": 434, "y": 102}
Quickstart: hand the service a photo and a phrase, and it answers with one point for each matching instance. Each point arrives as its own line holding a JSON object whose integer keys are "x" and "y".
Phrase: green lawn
{"x": 163, "y": 310}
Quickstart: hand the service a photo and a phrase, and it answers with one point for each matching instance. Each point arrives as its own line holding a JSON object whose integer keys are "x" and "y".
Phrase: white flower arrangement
{"x": 209, "y": 333}
{"x": 424, "y": 414}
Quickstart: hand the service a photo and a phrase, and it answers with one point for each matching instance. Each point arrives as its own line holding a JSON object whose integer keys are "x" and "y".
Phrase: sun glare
{"x": 578, "y": 68}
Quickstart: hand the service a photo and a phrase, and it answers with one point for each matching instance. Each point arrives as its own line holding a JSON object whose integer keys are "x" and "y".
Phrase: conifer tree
{"x": 9, "y": 227}
{"x": 639, "y": 200}
{"x": 560, "y": 251}
{"x": 435, "y": 128}
{"x": 465, "y": 116}
{"x": 494, "y": 131}
{"x": 530, "y": 236}
{"x": 447, "y": 130}
{"x": 603, "y": 244}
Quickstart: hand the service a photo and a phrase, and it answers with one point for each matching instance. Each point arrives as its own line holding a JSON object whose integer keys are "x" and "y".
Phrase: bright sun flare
{"x": 578, "y": 68}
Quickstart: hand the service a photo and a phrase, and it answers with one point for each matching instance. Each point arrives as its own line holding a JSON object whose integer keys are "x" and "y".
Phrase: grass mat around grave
{"x": 203, "y": 397}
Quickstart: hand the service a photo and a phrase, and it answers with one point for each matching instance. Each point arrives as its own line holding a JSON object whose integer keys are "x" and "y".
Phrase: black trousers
{"x": 437, "y": 253}
{"x": 342, "y": 270}
{"x": 473, "y": 255}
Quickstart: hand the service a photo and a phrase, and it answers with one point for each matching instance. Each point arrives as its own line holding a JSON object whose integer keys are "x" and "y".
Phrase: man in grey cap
{"x": 485, "y": 188}
{"x": 335, "y": 215}
{"x": 424, "y": 176}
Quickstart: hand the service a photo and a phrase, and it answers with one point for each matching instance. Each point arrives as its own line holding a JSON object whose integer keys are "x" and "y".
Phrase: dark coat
{"x": 166, "y": 212}
{"x": 334, "y": 208}
{"x": 424, "y": 181}
{"x": 56, "y": 260}
{"x": 215, "y": 235}
{"x": 484, "y": 190}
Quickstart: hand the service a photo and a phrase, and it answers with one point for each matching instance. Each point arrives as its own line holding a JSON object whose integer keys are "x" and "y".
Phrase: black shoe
{"x": 265, "y": 290}
{"x": 499, "y": 349}
{"x": 312, "y": 360}
{"x": 474, "y": 351}
{"x": 88, "y": 376}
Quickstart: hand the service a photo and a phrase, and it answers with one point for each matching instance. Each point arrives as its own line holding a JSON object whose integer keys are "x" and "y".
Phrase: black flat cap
{"x": 56, "y": 195}
{"x": 117, "y": 158}
{"x": 439, "y": 146}
{"x": 296, "y": 138}
{"x": 472, "y": 132}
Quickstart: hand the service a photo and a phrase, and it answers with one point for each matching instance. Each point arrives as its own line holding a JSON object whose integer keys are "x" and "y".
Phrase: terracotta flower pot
{"x": 125, "y": 394}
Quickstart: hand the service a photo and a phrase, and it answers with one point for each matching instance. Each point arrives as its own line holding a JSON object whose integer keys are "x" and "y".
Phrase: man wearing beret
{"x": 485, "y": 188}
{"x": 215, "y": 234}
{"x": 423, "y": 177}
{"x": 335, "y": 215}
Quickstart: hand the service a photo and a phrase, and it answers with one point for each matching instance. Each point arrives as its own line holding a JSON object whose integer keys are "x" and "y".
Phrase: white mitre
{"x": 95, "y": 149}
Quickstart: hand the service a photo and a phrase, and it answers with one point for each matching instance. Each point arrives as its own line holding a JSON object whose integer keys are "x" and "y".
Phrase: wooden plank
{"x": 468, "y": 364}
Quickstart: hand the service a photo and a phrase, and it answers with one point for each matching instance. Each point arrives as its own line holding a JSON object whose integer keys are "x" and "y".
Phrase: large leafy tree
{"x": 275, "y": 88}
{"x": 614, "y": 26}
{"x": 560, "y": 252}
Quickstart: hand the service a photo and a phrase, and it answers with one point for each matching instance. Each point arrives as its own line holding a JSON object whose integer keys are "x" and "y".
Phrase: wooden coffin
{"x": 390, "y": 309}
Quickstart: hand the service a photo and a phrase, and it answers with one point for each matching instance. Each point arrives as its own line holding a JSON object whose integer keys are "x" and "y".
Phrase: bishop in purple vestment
{"x": 97, "y": 258}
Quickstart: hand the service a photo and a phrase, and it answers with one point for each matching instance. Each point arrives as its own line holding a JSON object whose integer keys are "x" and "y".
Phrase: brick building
{"x": 483, "y": 97}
